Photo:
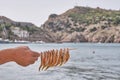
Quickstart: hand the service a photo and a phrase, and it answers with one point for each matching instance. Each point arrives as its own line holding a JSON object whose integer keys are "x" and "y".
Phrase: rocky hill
{"x": 83, "y": 24}
{"x": 79, "y": 24}
{"x": 13, "y": 30}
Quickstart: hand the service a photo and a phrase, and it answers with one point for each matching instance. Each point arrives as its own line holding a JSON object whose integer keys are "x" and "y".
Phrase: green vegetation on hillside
{"x": 93, "y": 16}
{"x": 83, "y": 24}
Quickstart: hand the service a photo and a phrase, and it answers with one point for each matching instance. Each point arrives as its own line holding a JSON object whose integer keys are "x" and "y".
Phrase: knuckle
{"x": 25, "y": 47}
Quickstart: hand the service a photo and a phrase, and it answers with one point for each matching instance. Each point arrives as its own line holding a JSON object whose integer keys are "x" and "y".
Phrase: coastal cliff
{"x": 14, "y": 30}
{"x": 79, "y": 24}
{"x": 83, "y": 24}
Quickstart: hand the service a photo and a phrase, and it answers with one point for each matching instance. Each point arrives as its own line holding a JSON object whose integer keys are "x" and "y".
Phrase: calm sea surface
{"x": 90, "y": 61}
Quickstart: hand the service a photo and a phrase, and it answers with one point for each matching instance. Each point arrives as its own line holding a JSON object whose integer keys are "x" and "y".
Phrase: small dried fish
{"x": 53, "y": 58}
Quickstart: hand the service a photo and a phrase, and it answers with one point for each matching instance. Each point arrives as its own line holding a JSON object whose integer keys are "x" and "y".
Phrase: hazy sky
{"x": 37, "y": 11}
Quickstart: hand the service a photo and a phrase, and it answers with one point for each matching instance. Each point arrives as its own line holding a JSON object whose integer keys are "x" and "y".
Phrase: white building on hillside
{"x": 19, "y": 32}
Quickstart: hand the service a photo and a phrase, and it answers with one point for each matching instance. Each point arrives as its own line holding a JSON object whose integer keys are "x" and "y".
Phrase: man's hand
{"x": 24, "y": 56}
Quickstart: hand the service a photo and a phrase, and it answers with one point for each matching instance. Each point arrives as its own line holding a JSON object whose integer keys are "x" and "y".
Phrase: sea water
{"x": 90, "y": 61}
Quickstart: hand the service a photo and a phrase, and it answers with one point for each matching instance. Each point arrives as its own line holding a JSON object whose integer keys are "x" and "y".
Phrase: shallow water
{"x": 90, "y": 61}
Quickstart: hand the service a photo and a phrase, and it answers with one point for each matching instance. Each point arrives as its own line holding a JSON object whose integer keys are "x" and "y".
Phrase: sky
{"x": 38, "y": 11}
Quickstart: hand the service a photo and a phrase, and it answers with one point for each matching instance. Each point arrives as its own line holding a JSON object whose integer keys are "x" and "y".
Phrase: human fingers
{"x": 23, "y": 47}
{"x": 35, "y": 54}
{"x": 33, "y": 59}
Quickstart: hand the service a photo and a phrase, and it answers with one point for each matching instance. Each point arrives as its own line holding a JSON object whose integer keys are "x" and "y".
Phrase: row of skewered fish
{"x": 52, "y": 58}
